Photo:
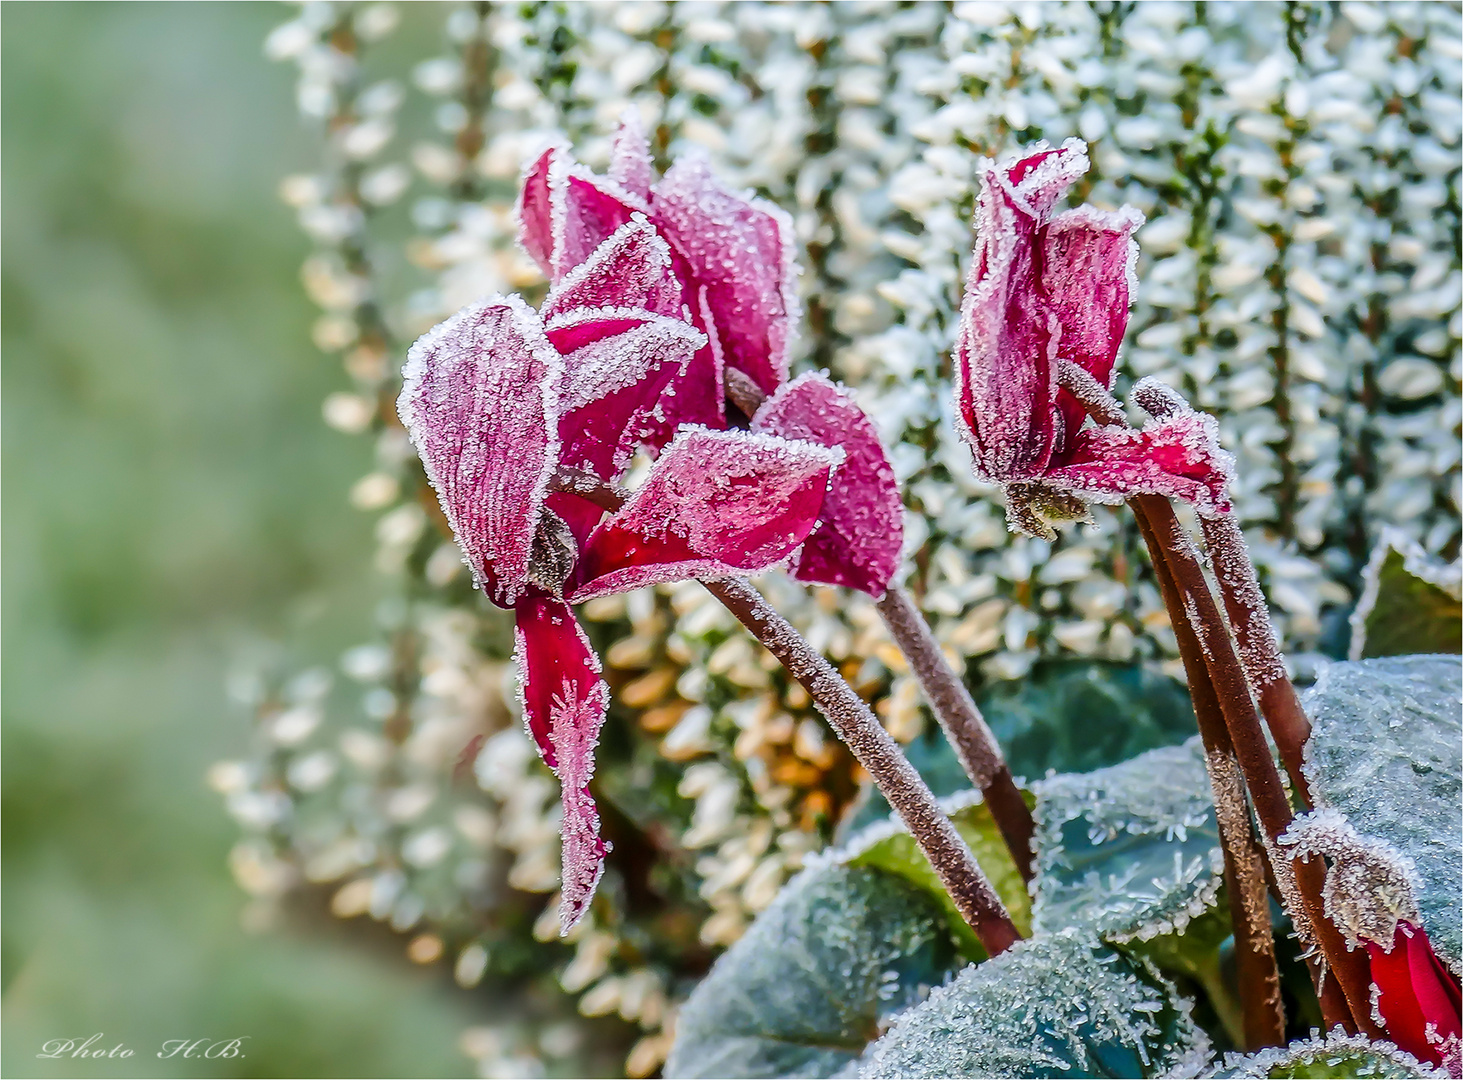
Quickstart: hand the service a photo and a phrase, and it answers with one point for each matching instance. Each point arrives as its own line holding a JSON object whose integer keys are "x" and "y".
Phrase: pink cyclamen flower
{"x": 499, "y": 399}
{"x": 1416, "y": 998}
{"x": 1047, "y": 288}
{"x": 733, "y": 273}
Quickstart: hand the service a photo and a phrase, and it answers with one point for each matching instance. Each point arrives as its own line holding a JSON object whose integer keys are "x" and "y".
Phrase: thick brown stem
{"x": 1302, "y": 879}
{"x": 1244, "y": 865}
{"x": 960, "y": 719}
{"x": 1244, "y": 603}
{"x": 907, "y": 793}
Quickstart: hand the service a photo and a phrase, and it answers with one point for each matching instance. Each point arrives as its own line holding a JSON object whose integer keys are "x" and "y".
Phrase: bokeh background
{"x": 171, "y": 502}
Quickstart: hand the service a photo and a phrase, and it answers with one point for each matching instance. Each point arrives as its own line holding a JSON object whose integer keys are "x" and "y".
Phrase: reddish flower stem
{"x": 959, "y": 717}
{"x": 1244, "y": 603}
{"x": 854, "y": 723}
{"x": 965, "y": 728}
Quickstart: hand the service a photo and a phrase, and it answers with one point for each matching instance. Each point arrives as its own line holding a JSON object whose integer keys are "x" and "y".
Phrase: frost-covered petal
{"x": 479, "y": 399}
{"x": 630, "y": 163}
{"x": 1416, "y": 997}
{"x": 1009, "y": 334}
{"x": 564, "y": 702}
{"x": 715, "y": 504}
{"x": 565, "y": 212}
{"x": 630, "y": 269}
{"x": 1178, "y": 456}
{"x": 618, "y": 363}
{"x": 740, "y": 251}
{"x": 861, "y": 530}
{"x": 1087, "y": 273}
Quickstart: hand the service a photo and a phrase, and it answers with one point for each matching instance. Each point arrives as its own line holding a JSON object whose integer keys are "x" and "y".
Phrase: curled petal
{"x": 1178, "y": 456}
{"x": 630, "y": 163}
{"x": 861, "y": 530}
{"x": 564, "y": 703}
{"x": 565, "y": 212}
{"x": 1087, "y": 262}
{"x": 1415, "y": 997}
{"x": 480, "y": 401}
{"x": 631, "y": 269}
{"x": 535, "y": 209}
{"x": 1010, "y": 331}
{"x": 740, "y": 250}
{"x": 715, "y": 504}
{"x": 619, "y": 363}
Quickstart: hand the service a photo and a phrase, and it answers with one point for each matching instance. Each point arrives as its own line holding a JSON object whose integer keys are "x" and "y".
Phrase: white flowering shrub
{"x": 1299, "y": 279}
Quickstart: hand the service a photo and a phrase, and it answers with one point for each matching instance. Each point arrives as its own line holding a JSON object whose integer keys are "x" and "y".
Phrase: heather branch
{"x": 959, "y": 717}
{"x": 854, "y": 723}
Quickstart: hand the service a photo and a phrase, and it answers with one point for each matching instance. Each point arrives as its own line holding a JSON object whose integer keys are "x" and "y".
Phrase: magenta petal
{"x": 631, "y": 269}
{"x": 1007, "y": 347}
{"x": 1417, "y": 997}
{"x": 618, "y": 364}
{"x": 741, "y": 251}
{"x": 715, "y": 504}
{"x": 1178, "y": 456}
{"x": 859, "y": 536}
{"x": 630, "y": 163}
{"x": 1087, "y": 273}
{"x": 535, "y": 210}
{"x": 565, "y": 212}
{"x": 564, "y": 703}
{"x": 480, "y": 403}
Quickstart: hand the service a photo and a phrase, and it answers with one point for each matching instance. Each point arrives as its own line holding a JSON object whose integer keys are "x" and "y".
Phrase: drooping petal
{"x": 565, "y": 212}
{"x": 1007, "y": 347}
{"x": 1087, "y": 263}
{"x": 1178, "y": 456}
{"x": 631, "y": 269}
{"x": 630, "y": 163}
{"x": 859, "y": 536}
{"x": 741, "y": 250}
{"x": 1416, "y": 997}
{"x": 618, "y": 362}
{"x": 715, "y": 504}
{"x": 564, "y": 703}
{"x": 480, "y": 401}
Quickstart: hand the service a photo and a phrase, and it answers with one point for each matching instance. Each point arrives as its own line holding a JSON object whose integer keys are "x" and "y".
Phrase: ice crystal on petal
{"x": 859, "y": 537}
{"x": 630, "y": 163}
{"x": 632, "y": 268}
{"x": 1417, "y": 999}
{"x": 1358, "y": 1055}
{"x": 739, "y": 249}
{"x": 715, "y": 504}
{"x": 564, "y": 702}
{"x": 479, "y": 399}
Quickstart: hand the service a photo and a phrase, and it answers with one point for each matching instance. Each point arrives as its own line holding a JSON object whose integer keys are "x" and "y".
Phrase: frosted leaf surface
{"x": 815, "y": 978}
{"x": 1059, "y": 1005}
{"x": 1337, "y": 1055}
{"x": 861, "y": 532}
{"x": 1409, "y": 604}
{"x": 479, "y": 399}
{"x": 740, "y": 251}
{"x": 1130, "y": 851}
{"x": 564, "y": 702}
{"x": 715, "y": 504}
{"x": 888, "y": 845}
{"x": 1178, "y": 456}
{"x": 1384, "y": 750}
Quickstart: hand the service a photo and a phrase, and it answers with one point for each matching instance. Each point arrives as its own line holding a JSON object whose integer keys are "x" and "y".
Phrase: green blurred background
{"x": 171, "y": 498}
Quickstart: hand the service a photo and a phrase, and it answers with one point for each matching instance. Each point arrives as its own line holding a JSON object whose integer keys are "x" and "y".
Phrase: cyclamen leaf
{"x": 1128, "y": 852}
{"x": 740, "y": 251}
{"x": 564, "y": 703}
{"x": 715, "y": 504}
{"x": 479, "y": 400}
{"x": 815, "y": 978}
{"x": 1062, "y": 1005}
{"x": 1384, "y": 751}
{"x": 858, "y": 540}
{"x": 1337, "y": 1055}
{"x": 1411, "y": 603}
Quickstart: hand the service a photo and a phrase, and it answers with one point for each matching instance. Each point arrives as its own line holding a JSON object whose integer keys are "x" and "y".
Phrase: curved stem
{"x": 965, "y": 728}
{"x": 854, "y": 723}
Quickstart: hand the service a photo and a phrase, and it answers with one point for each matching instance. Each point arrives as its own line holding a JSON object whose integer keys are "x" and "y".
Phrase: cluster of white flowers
{"x": 1300, "y": 279}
